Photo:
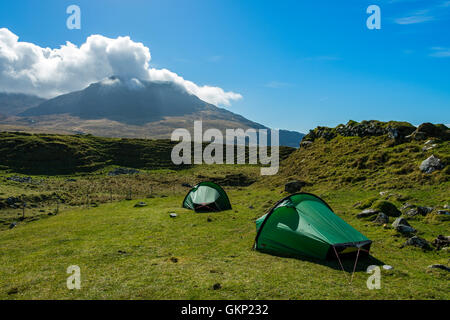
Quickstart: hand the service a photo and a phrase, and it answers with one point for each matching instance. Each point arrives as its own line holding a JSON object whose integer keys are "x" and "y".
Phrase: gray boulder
{"x": 402, "y": 226}
{"x": 418, "y": 242}
{"x": 419, "y": 211}
{"x": 431, "y": 164}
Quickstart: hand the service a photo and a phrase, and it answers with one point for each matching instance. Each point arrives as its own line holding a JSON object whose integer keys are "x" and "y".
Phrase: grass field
{"x": 83, "y": 218}
{"x": 126, "y": 253}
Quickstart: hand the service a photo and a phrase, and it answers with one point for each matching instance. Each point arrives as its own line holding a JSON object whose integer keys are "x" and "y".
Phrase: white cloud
{"x": 418, "y": 17}
{"x": 29, "y": 68}
{"x": 440, "y": 52}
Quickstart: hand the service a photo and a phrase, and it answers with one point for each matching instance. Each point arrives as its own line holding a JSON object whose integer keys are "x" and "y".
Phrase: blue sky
{"x": 297, "y": 64}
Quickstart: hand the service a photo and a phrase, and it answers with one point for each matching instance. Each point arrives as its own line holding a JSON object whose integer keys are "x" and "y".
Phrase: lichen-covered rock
{"x": 431, "y": 164}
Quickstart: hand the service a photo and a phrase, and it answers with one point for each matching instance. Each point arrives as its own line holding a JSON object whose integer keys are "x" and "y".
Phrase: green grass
{"x": 208, "y": 252}
{"x": 127, "y": 253}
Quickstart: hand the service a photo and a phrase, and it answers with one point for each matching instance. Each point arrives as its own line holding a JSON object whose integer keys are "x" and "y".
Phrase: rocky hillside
{"x": 371, "y": 154}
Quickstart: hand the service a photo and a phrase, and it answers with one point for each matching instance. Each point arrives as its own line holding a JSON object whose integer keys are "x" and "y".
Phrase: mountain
{"x": 15, "y": 103}
{"x": 118, "y": 107}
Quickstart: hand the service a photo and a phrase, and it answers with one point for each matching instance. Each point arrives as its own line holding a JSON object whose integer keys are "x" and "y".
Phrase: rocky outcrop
{"x": 429, "y": 130}
{"x": 398, "y": 131}
{"x": 395, "y": 130}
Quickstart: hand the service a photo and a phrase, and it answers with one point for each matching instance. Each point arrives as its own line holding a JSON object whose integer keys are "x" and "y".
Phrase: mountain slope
{"x": 15, "y": 103}
{"x": 117, "y": 107}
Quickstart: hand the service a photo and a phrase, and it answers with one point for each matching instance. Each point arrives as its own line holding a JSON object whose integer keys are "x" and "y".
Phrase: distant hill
{"x": 68, "y": 154}
{"x": 15, "y": 103}
{"x": 117, "y": 107}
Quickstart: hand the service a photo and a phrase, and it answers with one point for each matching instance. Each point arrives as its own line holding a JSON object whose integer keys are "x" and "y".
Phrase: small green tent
{"x": 205, "y": 197}
{"x": 303, "y": 224}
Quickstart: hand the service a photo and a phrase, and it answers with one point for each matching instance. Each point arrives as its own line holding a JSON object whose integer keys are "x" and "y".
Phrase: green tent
{"x": 303, "y": 224}
{"x": 205, "y": 197}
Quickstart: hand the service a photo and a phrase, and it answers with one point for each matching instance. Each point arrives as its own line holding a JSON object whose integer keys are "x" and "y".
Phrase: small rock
{"x": 387, "y": 267}
{"x": 382, "y": 218}
{"x": 187, "y": 185}
{"x": 445, "y": 212}
{"x": 209, "y": 219}
{"x": 446, "y": 206}
{"x": 294, "y": 186}
{"x": 441, "y": 241}
{"x": 402, "y": 226}
{"x": 418, "y": 242}
{"x": 251, "y": 207}
{"x": 12, "y": 225}
{"x": 419, "y": 211}
{"x": 140, "y": 204}
{"x": 174, "y": 260}
{"x": 431, "y": 164}
{"x": 173, "y": 215}
{"x": 217, "y": 286}
{"x": 121, "y": 252}
{"x": 439, "y": 266}
{"x": 367, "y": 213}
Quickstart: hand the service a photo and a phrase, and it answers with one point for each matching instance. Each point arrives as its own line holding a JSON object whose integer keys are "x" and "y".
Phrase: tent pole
{"x": 354, "y": 267}
{"x": 342, "y": 267}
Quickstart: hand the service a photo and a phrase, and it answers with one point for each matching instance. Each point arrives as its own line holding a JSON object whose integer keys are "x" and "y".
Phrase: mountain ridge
{"x": 132, "y": 108}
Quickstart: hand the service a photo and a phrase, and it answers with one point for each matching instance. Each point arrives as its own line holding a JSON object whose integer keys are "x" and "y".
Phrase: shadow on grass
{"x": 348, "y": 261}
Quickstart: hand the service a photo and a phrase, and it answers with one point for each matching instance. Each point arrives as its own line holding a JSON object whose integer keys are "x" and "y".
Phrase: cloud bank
{"x": 29, "y": 68}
